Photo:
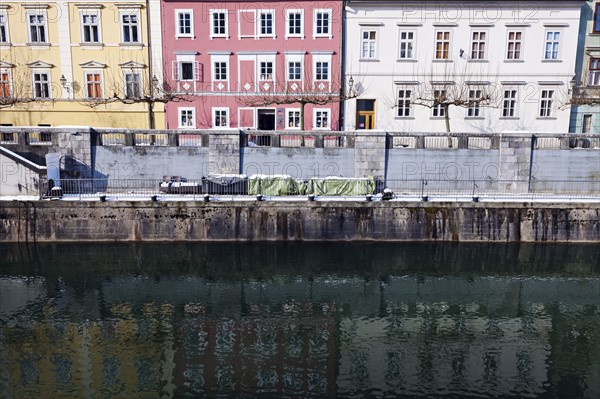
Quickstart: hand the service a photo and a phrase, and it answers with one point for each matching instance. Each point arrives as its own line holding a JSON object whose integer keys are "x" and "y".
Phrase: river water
{"x": 299, "y": 320}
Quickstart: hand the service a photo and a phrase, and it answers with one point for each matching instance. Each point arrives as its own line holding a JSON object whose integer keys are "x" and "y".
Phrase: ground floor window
{"x": 187, "y": 118}
{"x": 220, "y": 117}
{"x": 322, "y": 119}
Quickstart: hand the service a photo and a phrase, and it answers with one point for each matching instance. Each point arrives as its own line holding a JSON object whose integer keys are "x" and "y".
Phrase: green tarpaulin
{"x": 275, "y": 185}
{"x": 341, "y": 186}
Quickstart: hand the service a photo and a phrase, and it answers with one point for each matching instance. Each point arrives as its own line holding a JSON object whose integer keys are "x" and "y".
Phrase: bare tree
{"x": 132, "y": 86}
{"x": 17, "y": 88}
{"x": 301, "y": 91}
{"x": 452, "y": 88}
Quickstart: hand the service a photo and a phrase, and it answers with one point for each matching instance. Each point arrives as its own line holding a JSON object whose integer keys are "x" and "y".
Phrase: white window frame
{"x": 132, "y": 72}
{"x": 264, "y": 76}
{"x": 320, "y": 110}
{"x": 178, "y": 26}
{"x": 552, "y": 41}
{"x": 479, "y": 42}
{"x": 7, "y": 71}
{"x": 407, "y": 41}
{"x": 259, "y": 32}
{"x": 520, "y": 42}
{"x": 369, "y": 41}
{"x": 438, "y": 107}
{"x": 292, "y": 73}
{"x": 329, "y": 33}
{"x": 4, "y": 27}
{"x": 407, "y": 105}
{"x": 48, "y": 82}
{"x": 443, "y": 40}
{"x": 322, "y": 58}
{"x": 510, "y": 104}
{"x": 218, "y": 110}
{"x": 87, "y": 72}
{"x": 212, "y": 23}
{"x": 220, "y": 59}
{"x": 473, "y": 110}
{"x": 178, "y": 67}
{"x": 288, "y": 25}
{"x": 546, "y": 108}
{"x": 43, "y": 25}
{"x": 289, "y": 113}
{"x": 289, "y": 58}
{"x": 190, "y": 110}
{"x": 129, "y": 25}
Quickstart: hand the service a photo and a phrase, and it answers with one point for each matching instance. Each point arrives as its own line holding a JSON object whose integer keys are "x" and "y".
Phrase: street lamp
{"x": 63, "y": 83}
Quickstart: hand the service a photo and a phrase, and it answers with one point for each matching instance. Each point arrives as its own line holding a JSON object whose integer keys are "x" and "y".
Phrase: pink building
{"x": 244, "y": 64}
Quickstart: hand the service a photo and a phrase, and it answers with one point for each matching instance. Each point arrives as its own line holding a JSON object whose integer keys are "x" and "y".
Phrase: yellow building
{"x": 80, "y": 63}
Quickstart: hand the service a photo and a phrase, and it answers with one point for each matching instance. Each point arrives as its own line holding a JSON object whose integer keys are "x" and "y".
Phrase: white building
{"x": 509, "y": 65}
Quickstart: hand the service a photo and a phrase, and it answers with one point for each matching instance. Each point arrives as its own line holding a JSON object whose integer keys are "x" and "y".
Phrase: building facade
{"x": 585, "y": 114}
{"x": 76, "y": 63}
{"x": 272, "y": 65}
{"x": 468, "y": 67}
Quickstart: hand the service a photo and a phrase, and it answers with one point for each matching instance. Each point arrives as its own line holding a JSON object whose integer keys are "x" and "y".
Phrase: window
{"x": 93, "y": 85}
{"x": 4, "y": 84}
{"x": 596, "y": 27}
{"x": 220, "y": 117}
{"x": 509, "y": 104}
{"x": 37, "y": 28}
{"x": 404, "y": 103}
{"x": 132, "y": 85}
{"x": 90, "y": 28}
{"x": 266, "y": 70}
{"x": 3, "y": 29}
{"x": 551, "y": 46}
{"x": 513, "y": 45}
{"x": 478, "y": 41}
{"x": 185, "y": 27}
{"x": 266, "y": 23}
{"x": 439, "y": 98}
{"x": 219, "y": 24}
{"x": 442, "y": 45}
{"x": 186, "y": 70}
{"x": 546, "y": 103}
{"x": 41, "y": 85}
{"x": 322, "y": 119}
{"x": 294, "y": 22}
{"x": 369, "y": 45}
{"x": 594, "y": 72}
{"x": 322, "y": 70}
{"x": 474, "y": 104}
{"x": 586, "y": 123}
{"x": 220, "y": 70}
{"x": 322, "y": 23}
{"x": 187, "y": 117}
{"x": 294, "y": 70}
{"x": 130, "y": 28}
{"x": 407, "y": 44}
{"x": 293, "y": 119}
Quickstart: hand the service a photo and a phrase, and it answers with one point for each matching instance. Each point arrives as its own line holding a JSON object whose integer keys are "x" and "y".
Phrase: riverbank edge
{"x": 160, "y": 221}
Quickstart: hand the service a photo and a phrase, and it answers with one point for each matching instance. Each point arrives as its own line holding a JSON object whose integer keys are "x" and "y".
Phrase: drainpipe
{"x": 342, "y": 66}
{"x": 150, "y": 83}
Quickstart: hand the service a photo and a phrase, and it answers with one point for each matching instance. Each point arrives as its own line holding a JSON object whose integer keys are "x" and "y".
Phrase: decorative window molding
{"x": 294, "y": 23}
{"x": 184, "y": 23}
{"x": 220, "y": 118}
{"x": 322, "y": 118}
{"x": 322, "y": 19}
{"x": 219, "y": 23}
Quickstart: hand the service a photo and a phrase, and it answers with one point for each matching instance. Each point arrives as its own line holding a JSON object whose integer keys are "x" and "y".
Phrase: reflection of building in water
{"x": 145, "y": 337}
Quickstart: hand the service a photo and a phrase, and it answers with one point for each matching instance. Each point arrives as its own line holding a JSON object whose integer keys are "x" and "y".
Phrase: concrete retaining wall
{"x": 50, "y": 221}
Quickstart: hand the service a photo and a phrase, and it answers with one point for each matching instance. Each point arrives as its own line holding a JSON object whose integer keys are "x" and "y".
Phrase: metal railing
{"x": 408, "y": 188}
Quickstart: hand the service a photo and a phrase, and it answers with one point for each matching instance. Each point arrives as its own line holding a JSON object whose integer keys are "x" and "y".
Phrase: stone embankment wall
{"x": 53, "y": 221}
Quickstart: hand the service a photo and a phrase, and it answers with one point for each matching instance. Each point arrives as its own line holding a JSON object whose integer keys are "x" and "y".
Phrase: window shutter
{"x": 175, "y": 71}
{"x": 199, "y": 72}
{"x": 197, "y": 76}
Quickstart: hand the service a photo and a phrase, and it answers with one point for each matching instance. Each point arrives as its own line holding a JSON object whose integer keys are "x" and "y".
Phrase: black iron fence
{"x": 238, "y": 185}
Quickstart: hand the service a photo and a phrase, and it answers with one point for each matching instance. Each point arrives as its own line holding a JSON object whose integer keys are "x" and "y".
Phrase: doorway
{"x": 266, "y": 119}
{"x": 365, "y": 114}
